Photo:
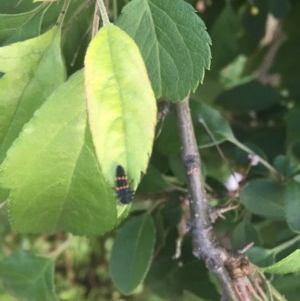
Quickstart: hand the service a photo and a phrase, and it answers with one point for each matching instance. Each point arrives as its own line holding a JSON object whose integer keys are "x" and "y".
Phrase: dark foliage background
{"x": 249, "y": 103}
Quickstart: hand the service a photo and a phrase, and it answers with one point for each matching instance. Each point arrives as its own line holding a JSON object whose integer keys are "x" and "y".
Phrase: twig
{"x": 55, "y": 253}
{"x": 262, "y": 73}
{"x": 99, "y": 6}
{"x": 61, "y": 16}
{"x": 204, "y": 242}
{"x": 103, "y": 12}
{"x": 96, "y": 20}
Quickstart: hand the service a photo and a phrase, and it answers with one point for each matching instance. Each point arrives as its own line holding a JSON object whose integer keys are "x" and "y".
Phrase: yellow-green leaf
{"x": 52, "y": 171}
{"x": 289, "y": 264}
{"x": 31, "y": 70}
{"x": 121, "y": 104}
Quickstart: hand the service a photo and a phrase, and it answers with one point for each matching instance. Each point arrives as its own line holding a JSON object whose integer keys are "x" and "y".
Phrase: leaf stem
{"x": 62, "y": 14}
{"x": 103, "y": 12}
{"x": 96, "y": 19}
{"x": 260, "y": 159}
{"x": 285, "y": 245}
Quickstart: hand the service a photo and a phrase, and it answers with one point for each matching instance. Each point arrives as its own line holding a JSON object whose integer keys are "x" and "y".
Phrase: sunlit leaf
{"x": 32, "y": 70}
{"x": 289, "y": 264}
{"x": 53, "y": 172}
{"x": 121, "y": 104}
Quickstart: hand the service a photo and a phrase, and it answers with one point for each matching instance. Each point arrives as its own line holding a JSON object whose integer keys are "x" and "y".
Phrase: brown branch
{"x": 238, "y": 278}
{"x": 204, "y": 242}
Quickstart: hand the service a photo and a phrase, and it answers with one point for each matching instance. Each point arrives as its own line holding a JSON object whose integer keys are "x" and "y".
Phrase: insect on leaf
{"x": 121, "y": 104}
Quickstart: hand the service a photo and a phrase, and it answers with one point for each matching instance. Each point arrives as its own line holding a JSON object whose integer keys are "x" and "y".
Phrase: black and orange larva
{"x": 123, "y": 190}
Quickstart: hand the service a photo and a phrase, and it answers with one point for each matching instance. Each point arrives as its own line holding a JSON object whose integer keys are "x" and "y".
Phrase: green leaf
{"x": 76, "y": 35}
{"x": 285, "y": 166}
{"x": 154, "y": 297}
{"x": 13, "y": 6}
{"x": 260, "y": 256}
{"x": 294, "y": 151}
{"x": 178, "y": 169}
{"x": 19, "y": 27}
{"x": 173, "y": 42}
{"x": 244, "y": 233}
{"x": 132, "y": 253}
{"x": 168, "y": 142}
{"x": 28, "y": 277}
{"x": 233, "y": 74}
{"x": 215, "y": 130}
{"x": 171, "y": 214}
{"x": 32, "y": 69}
{"x": 187, "y": 296}
{"x": 153, "y": 182}
{"x": 279, "y": 8}
{"x": 293, "y": 125}
{"x": 292, "y": 205}
{"x": 289, "y": 264}
{"x": 224, "y": 33}
{"x": 250, "y": 96}
{"x": 121, "y": 104}
{"x": 7, "y": 297}
{"x": 53, "y": 172}
{"x": 4, "y": 194}
{"x": 193, "y": 277}
{"x": 162, "y": 268}
{"x": 208, "y": 92}
{"x": 263, "y": 197}
{"x": 288, "y": 285}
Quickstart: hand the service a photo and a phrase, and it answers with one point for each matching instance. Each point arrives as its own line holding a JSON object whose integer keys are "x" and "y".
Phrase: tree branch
{"x": 204, "y": 242}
